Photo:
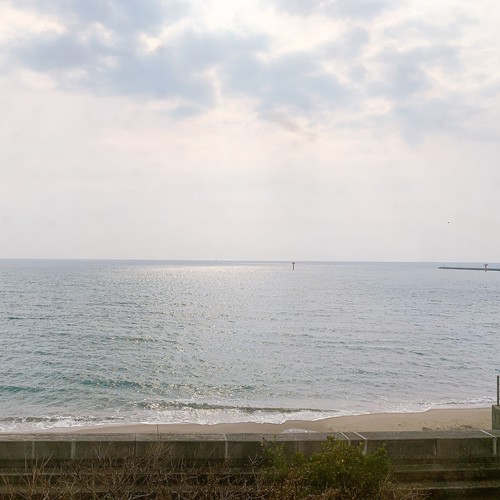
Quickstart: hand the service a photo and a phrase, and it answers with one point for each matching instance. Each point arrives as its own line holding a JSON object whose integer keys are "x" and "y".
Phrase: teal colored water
{"x": 91, "y": 342}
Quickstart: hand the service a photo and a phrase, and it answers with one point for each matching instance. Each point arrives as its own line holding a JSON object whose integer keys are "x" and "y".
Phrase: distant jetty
{"x": 485, "y": 268}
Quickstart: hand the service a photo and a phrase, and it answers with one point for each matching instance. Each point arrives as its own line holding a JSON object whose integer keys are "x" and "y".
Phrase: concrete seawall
{"x": 16, "y": 449}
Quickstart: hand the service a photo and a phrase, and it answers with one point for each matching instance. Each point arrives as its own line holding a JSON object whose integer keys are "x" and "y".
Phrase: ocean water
{"x": 94, "y": 342}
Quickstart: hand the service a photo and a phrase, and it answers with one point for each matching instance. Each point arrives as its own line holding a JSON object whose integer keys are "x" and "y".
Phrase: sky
{"x": 250, "y": 130}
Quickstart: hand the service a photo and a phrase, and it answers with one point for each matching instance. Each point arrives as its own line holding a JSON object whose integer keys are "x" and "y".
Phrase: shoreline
{"x": 430, "y": 420}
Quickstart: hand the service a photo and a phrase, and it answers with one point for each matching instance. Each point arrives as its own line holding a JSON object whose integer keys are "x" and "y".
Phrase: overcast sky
{"x": 266, "y": 130}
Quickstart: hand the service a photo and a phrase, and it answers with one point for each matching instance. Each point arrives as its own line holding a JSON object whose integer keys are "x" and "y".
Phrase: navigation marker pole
{"x": 293, "y": 266}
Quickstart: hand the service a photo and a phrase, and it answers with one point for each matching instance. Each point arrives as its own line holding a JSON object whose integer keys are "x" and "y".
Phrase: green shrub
{"x": 340, "y": 471}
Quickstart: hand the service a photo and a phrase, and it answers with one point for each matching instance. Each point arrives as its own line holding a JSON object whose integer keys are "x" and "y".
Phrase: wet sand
{"x": 448, "y": 419}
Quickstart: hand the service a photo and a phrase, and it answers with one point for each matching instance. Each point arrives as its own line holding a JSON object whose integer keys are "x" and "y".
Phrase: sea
{"x": 93, "y": 342}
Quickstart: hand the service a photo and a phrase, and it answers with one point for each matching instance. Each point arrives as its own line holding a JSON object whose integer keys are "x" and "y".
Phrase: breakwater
{"x": 485, "y": 268}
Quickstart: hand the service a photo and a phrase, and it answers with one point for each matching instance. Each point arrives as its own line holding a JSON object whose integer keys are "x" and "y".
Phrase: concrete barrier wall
{"x": 16, "y": 449}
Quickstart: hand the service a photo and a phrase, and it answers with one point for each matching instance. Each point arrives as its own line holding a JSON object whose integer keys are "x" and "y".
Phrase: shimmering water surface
{"x": 92, "y": 342}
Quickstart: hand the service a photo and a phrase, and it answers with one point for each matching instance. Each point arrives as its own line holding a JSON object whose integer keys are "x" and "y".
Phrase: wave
{"x": 177, "y": 405}
{"x": 53, "y": 419}
{"x": 175, "y": 412}
{"x": 20, "y": 388}
{"x": 485, "y": 400}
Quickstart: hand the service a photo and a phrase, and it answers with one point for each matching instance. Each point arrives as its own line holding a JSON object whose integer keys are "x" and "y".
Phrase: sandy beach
{"x": 447, "y": 419}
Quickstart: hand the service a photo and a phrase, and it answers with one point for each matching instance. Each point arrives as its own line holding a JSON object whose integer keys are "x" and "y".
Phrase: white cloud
{"x": 16, "y": 24}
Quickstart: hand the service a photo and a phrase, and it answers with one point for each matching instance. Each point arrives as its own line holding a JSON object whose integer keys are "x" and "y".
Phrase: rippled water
{"x": 112, "y": 341}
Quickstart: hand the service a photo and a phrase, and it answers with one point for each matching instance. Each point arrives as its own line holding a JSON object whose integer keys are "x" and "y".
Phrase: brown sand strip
{"x": 449, "y": 419}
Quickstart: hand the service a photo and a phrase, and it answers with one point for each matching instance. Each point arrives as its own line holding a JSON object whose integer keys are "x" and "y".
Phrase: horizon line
{"x": 305, "y": 261}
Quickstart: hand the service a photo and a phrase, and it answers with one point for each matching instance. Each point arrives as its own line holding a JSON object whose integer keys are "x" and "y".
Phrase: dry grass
{"x": 157, "y": 476}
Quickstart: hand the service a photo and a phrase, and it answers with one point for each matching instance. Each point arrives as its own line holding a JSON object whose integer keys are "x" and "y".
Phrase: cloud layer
{"x": 126, "y": 48}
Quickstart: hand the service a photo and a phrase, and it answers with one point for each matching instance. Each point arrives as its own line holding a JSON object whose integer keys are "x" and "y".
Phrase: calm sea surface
{"x": 92, "y": 342}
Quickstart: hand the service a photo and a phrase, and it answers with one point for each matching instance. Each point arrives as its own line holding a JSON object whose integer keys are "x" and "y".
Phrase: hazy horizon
{"x": 253, "y": 261}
